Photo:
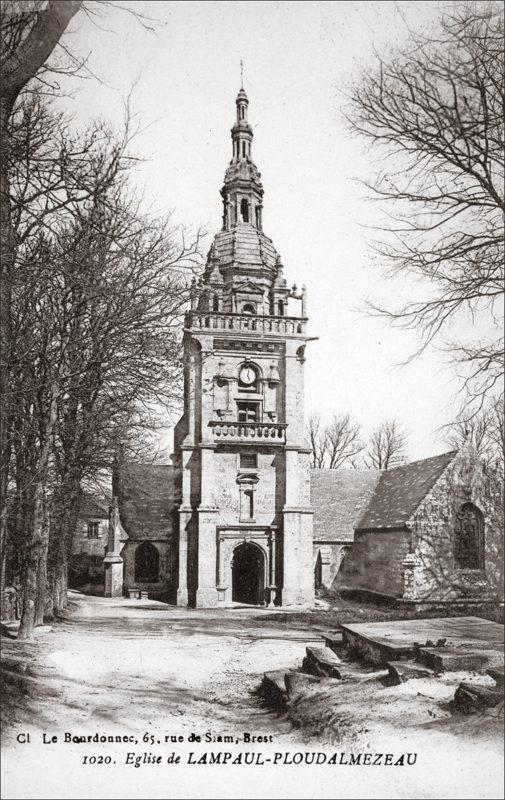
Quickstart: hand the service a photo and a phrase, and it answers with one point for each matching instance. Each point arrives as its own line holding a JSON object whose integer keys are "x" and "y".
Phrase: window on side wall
{"x": 469, "y": 538}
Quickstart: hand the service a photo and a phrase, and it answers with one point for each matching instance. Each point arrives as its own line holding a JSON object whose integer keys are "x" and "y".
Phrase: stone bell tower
{"x": 240, "y": 454}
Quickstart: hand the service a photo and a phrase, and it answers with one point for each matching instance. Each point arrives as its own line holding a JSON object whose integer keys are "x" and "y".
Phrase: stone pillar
{"x": 113, "y": 561}
{"x": 185, "y": 512}
{"x": 223, "y": 569}
{"x": 411, "y": 577}
{"x": 206, "y": 595}
{"x": 325, "y": 554}
{"x": 272, "y": 585}
{"x": 114, "y": 577}
{"x": 182, "y": 589}
{"x": 298, "y": 573}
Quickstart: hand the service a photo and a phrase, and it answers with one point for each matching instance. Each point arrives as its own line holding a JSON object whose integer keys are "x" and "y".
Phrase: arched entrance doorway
{"x": 248, "y": 575}
{"x": 147, "y": 563}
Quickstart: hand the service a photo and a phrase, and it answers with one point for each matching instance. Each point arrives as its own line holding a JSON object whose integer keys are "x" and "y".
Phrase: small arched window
{"x": 243, "y": 149}
{"x": 248, "y": 308}
{"x": 147, "y": 563}
{"x": 280, "y": 308}
{"x": 469, "y": 538}
{"x": 215, "y": 303}
{"x": 244, "y": 210}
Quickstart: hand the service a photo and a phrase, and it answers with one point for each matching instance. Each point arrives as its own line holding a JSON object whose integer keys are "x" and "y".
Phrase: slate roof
{"x": 401, "y": 490}
{"x": 245, "y": 245}
{"x": 339, "y": 497}
{"x": 146, "y": 497}
{"x": 93, "y": 507}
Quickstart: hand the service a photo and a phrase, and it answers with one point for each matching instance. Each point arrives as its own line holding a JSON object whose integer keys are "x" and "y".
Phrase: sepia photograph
{"x": 252, "y": 399}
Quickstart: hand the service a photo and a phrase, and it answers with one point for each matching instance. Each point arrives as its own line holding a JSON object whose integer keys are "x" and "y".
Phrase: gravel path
{"x": 152, "y": 674}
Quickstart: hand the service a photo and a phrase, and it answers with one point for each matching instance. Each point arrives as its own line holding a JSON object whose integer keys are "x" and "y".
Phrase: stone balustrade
{"x": 271, "y": 433}
{"x": 212, "y": 320}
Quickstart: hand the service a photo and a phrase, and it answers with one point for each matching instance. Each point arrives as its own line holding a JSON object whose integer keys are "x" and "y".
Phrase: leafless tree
{"x": 98, "y": 295}
{"x": 386, "y": 446}
{"x": 333, "y": 444}
{"x": 433, "y": 113}
{"x": 343, "y": 440}
{"x": 484, "y": 433}
{"x": 318, "y": 441}
{"x": 29, "y": 33}
{"x": 31, "y": 51}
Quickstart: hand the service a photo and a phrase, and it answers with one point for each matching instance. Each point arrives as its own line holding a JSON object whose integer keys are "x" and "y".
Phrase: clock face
{"x": 247, "y": 375}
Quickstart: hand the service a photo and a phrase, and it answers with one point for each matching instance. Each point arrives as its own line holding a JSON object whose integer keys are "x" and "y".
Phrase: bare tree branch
{"x": 433, "y": 114}
{"x": 386, "y": 446}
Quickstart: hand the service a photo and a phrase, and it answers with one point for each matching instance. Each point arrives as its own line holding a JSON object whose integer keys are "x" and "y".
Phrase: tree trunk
{"x": 36, "y": 540}
{"x": 17, "y": 69}
{"x": 59, "y": 588}
{"x": 40, "y": 605}
{"x": 7, "y": 253}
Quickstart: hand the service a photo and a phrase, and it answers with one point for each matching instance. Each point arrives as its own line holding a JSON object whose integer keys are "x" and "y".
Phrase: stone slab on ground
{"x": 402, "y": 671}
{"x": 273, "y": 687}
{"x": 322, "y": 662}
{"x": 470, "y": 698}
{"x": 335, "y": 642}
{"x": 454, "y": 659}
{"x": 497, "y": 675}
{"x": 380, "y": 642}
{"x": 297, "y": 682}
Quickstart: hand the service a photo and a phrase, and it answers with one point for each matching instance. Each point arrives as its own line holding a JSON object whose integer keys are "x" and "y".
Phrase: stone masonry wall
{"x": 227, "y": 490}
{"x": 374, "y": 562}
{"x": 95, "y": 546}
{"x": 165, "y": 585}
{"x": 433, "y": 526}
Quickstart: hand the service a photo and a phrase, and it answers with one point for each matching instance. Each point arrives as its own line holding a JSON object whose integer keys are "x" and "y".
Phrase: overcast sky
{"x": 297, "y": 56}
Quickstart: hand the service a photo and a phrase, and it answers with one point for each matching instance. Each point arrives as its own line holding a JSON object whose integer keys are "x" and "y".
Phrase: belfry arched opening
{"x": 248, "y": 575}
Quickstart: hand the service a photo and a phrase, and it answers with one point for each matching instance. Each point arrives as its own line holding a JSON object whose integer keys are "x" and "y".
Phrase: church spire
{"x": 241, "y": 132}
{"x": 242, "y": 191}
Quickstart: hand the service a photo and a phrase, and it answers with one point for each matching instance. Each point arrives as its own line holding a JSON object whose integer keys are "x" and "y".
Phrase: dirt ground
{"x": 151, "y": 672}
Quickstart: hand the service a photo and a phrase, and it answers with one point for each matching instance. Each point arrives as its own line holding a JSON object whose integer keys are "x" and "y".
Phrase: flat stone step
{"x": 335, "y": 642}
{"x": 398, "y": 640}
{"x": 322, "y": 662}
{"x": 363, "y": 647}
{"x": 298, "y": 682}
{"x": 496, "y": 675}
{"x": 402, "y": 671}
{"x": 355, "y": 673}
{"x": 273, "y": 687}
{"x": 454, "y": 659}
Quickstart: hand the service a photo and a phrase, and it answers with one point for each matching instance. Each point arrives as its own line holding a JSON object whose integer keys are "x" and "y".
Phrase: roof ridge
{"x": 401, "y": 490}
{"x": 350, "y": 470}
{"x": 421, "y": 460}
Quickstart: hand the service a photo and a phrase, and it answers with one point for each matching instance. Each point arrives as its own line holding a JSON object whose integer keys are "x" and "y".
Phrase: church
{"x": 239, "y": 516}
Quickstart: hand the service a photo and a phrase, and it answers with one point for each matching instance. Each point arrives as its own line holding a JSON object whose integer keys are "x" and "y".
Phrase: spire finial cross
{"x": 241, "y": 74}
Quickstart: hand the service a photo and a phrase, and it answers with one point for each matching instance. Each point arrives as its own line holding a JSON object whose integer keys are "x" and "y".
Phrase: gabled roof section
{"x": 339, "y": 497}
{"x": 146, "y": 497}
{"x": 93, "y": 507}
{"x": 401, "y": 490}
{"x": 250, "y": 287}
